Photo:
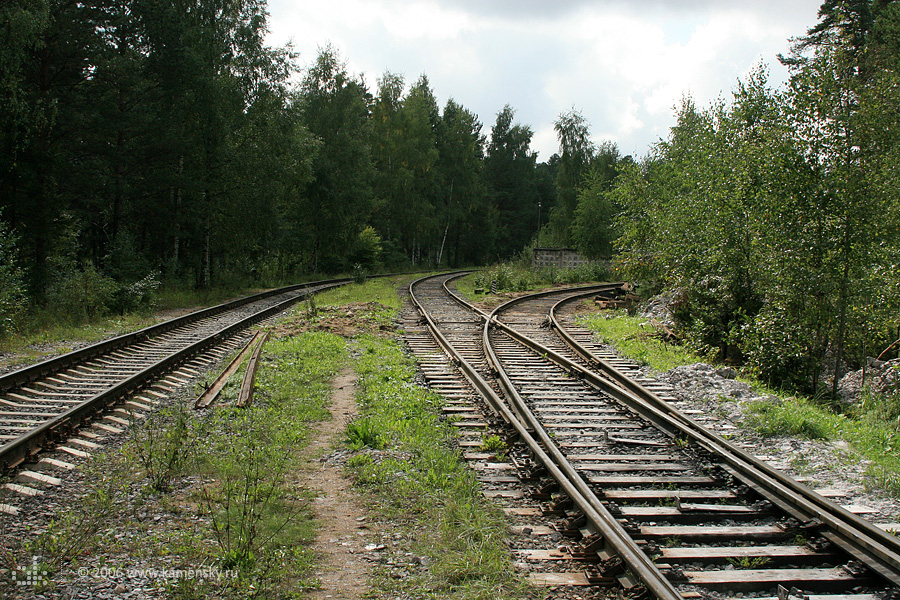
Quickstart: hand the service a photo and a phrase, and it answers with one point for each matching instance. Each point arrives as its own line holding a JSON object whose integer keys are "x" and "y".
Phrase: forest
{"x": 156, "y": 140}
{"x": 149, "y": 142}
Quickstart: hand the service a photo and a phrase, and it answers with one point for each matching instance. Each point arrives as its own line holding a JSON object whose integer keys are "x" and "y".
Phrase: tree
{"x": 576, "y": 151}
{"x": 510, "y": 178}
{"x": 467, "y": 220}
{"x": 12, "y": 282}
{"x": 593, "y": 230}
{"x": 335, "y": 109}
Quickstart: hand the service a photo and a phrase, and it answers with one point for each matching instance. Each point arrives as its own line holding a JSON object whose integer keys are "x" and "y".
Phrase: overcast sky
{"x": 624, "y": 64}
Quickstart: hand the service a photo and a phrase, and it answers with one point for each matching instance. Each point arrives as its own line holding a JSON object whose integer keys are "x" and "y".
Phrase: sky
{"x": 624, "y": 65}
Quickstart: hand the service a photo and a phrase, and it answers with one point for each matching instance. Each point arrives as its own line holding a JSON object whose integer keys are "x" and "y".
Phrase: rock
{"x": 881, "y": 377}
{"x": 726, "y": 372}
{"x": 657, "y": 308}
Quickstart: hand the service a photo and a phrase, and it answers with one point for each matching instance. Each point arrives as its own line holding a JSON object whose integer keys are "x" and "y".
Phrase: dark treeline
{"x": 774, "y": 220}
{"x": 149, "y": 140}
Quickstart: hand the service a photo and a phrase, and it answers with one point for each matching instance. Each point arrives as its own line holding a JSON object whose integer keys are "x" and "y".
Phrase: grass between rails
{"x": 872, "y": 428}
{"x": 408, "y": 464}
{"x": 636, "y": 339}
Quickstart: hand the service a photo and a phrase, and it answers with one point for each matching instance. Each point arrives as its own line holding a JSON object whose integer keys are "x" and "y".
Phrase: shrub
{"x": 137, "y": 296}
{"x": 12, "y": 284}
{"x": 80, "y": 295}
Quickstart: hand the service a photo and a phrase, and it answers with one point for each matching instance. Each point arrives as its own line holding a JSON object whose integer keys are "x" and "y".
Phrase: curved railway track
{"x": 69, "y": 402}
{"x": 650, "y": 500}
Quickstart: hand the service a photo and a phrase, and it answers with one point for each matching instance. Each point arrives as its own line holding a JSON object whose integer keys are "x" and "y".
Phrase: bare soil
{"x": 344, "y": 569}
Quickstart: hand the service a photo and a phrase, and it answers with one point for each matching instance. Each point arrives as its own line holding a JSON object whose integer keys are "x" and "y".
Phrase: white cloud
{"x": 625, "y": 65}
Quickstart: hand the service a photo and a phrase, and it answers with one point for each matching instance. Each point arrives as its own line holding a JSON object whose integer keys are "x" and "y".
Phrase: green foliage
{"x": 420, "y": 476}
{"x": 12, "y": 283}
{"x": 750, "y": 562}
{"x": 362, "y": 433}
{"x": 368, "y": 249}
{"x": 382, "y": 291}
{"x": 513, "y": 277}
{"x": 490, "y": 443}
{"x": 82, "y": 294}
{"x": 162, "y": 446}
{"x": 871, "y": 430}
{"x": 576, "y": 152}
{"x": 256, "y": 515}
{"x": 593, "y": 227}
{"x": 634, "y": 338}
{"x": 793, "y": 416}
{"x": 511, "y": 179}
{"x": 769, "y": 219}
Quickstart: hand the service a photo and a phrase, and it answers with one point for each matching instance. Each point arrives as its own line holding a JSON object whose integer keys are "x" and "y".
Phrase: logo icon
{"x": 34, "y": 575}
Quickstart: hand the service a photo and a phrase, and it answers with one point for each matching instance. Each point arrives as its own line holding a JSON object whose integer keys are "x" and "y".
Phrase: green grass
{"x": 420, "y": 481}
{"x": 872, "y": 430}
{"x": 634, "y": 338}
{"x": 186, "y": 490}
{"x": 382, "y": 290}
{"x": 46, "y": 331}
{"x": 515, "y": 277}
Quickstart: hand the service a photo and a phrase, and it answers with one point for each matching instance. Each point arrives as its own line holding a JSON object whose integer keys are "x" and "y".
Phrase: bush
{"x": 514, "y": 277}
{"x": 137, "y": 296}
{"x": 12, "y": 283}
{"x": 779, "y": 351}
{"x": 80, "y": 295}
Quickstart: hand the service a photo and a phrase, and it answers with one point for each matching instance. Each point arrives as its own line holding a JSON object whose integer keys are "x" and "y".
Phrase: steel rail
{"x": 552, "y": 458}
{"x": 18, "y": 450}
{"x": 57, "y": 363}
{"x": 876, "y": 548}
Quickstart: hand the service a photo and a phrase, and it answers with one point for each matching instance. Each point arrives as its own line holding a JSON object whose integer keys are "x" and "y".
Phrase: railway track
{"x": 615, "y": 486}
{"x": 62, "y": 409}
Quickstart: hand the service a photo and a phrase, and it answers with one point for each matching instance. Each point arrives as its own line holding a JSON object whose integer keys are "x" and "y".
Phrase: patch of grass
{"x": 214, "y": 492}
{"x": 46, "y": 331}
{"x": 421, "y": 479}
{"x": 872, "y": 429}
{"x": 362, "y": 433}
{"x": 636, "y": 339}
{"x": 516, "y": 277}
{"x": 793, "y": 416}
{"x": 382, "y": 290}
{"x": 750, "y": 562}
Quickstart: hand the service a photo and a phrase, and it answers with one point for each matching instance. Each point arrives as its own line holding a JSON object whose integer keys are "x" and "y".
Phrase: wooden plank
{"x": 626, "y": 467}
{"x": 538, "y": 554}
{"x": 662, "y": 512}
{"x": 621, "y": 457}
{"x": 503, "y": 494}
{"x": 73, "y": 451}
{"x": 59, "y": 464}
{"x": 523, "y": 512}
{"x": 786, "y": 577}
{"x": 35, "y": 477}
{"x": 737, "y": 552}
{"x": 641, "y": 480}
{"x": 23, "y": 489}
{"x": 533, "y": 530}
{"x": 551, "y": 579}
{"x": 708, "y": 532}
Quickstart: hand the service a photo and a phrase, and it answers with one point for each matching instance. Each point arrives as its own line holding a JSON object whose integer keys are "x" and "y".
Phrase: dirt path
{"x": 342, "y": 526}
